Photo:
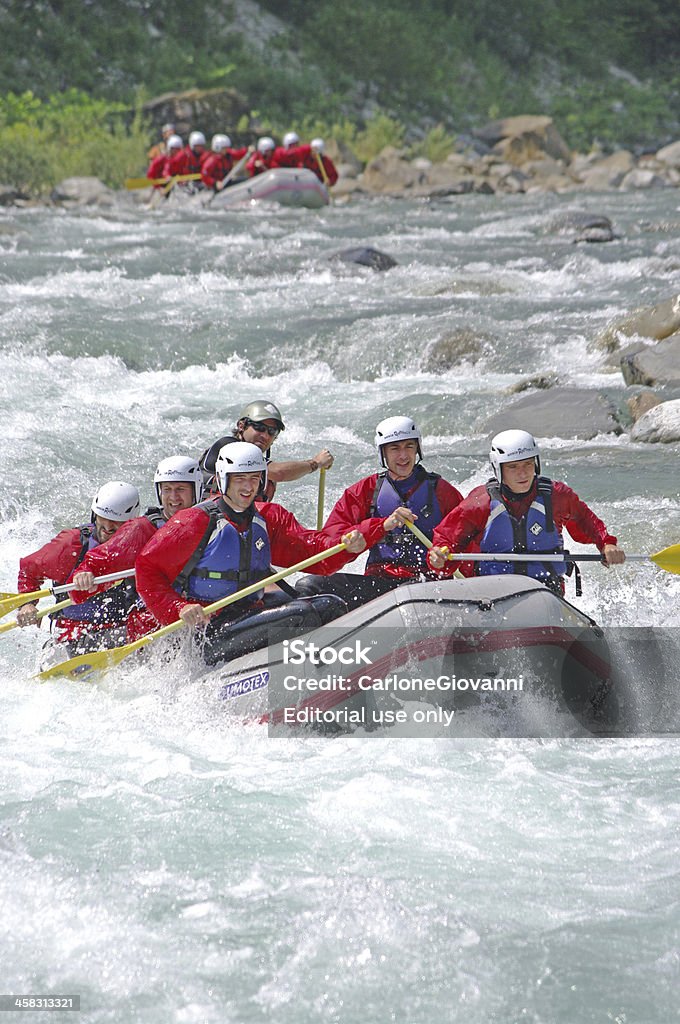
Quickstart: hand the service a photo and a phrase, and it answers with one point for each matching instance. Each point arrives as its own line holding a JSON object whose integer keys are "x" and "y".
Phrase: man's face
{"x": 260, "y": 432}
{"x": 105, "y": 528}
{"x": 519, "y": 476}
{"x": 400, "y": 458}
{"x": 175, "y": 496}
{"x": 241, "y": 489}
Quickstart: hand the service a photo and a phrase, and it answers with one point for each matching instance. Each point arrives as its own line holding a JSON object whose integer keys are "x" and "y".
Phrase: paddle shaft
{"x": 320, "y": 500}
{"x": 131, "y": 183}
{"x": 6, "y": 626}
{"x": 12, "y": 601}
{"x": 86, "y": 663}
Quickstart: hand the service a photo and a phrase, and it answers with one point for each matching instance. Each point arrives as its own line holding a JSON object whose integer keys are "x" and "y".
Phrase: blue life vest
{"x": 534, "y": 533}
{"x": 225, "y": 560}
{"x": 417, "y": 492}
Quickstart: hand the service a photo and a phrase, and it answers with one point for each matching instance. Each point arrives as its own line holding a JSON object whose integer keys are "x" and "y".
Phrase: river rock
{"x": 657, "y": 322}
{"x": 83, "y": 192}
{"x": 670, "y": 155}
{"x": 527, "y": 137}
{"x": 660, "y": 424}
{"x": 641, "y": 178}
{"x": 462, "y": 345}
{"x": 583, "y": 226}
{"x": 365, "y": 256}
{"x": 654, "y": 364}
{"x": 390, "y": 172}
{"x": 641, "y": 403}
{"x": 559, "y": 412}
{"x": 608, "y": 172}
{"x": 9, "y": 195}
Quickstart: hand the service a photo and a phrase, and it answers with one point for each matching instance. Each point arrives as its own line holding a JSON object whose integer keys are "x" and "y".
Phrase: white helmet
{"x": 239, "y": 457}
{"x": 117, "y": 501}
{"x": 220, "y": 142}
{"x": 196, "y": 139}
{"x": 174, "y": 142}
{"x": 291, "y": 139}
{"x": 265, "y": 144}
{"x": 396, "y": 428}
{"x": 318, "y": 145}
{"x": 179, "y": 469}
{"x": 513, "y": 446}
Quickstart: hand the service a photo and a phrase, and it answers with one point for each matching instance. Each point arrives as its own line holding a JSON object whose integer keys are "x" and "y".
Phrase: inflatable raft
{"x": 285, "y": 185}
{"x": 496, "y": 655}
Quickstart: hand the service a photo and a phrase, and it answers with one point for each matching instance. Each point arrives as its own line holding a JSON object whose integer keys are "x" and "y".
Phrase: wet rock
{"x": 365, "y": 256}
{"x": 583, "y": 226}
{"x": 559, "y": 412}
{"x": 539, "y": 383}
{"x": 9, "y": 194}
{"x": 641, "y": 403}
{"x": 657, "y": 322}
{"x": 660, "y": 424}
{"x": 463, "y": 345}
{"x": 83, "y": 192}
{"x": 654, "y": 364}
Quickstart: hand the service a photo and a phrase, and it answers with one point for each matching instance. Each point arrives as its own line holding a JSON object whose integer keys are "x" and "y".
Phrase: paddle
{"x": 227, "y": 178}
{"x": 84, "y": 664}
{"x": 320, "y": 499}
{"x": 324, "y": 176}
{"x": 12, "y": 601}
{"x": 149, "y": 182}
{"x": 667, "y": 559}
{"x": 6, "y": 626}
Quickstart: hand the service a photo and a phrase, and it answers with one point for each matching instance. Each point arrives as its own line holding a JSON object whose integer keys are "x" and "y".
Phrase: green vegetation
{"x": 366, "y": 72}
{"x": 42, "y": 142}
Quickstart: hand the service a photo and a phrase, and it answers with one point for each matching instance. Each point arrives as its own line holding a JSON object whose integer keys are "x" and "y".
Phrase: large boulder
{"x": 461, "y": 345}
{"x": 639, "y": 177}
{"x": 609, "y": 172}
{"x": 670, "y": 155}
{"x": 656, "y": 322}
{"x": 527, "y": 137}
{"x": 654, "y": 364}
{"x": 662, "y": 423}
{"x": 390, "y": 172}
{"x": 559, "y": 412}
{"x": 210, "y": 110}
{"x": 641, "y": 403}
{"x": 82, "y": 192}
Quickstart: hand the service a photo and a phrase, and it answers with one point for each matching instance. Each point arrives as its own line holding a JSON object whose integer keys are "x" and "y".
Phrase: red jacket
{"x": 157, "y": 167}
{"x": 261, "y": 162}
{"x": 304, "y": 157}
{"x": 218, "y": 165}
{"x": 166, "y": 554}
{"x": 55, "y": 561}
{"x": 177, "y": 163}
{"x": 351, "y": 511}
{"x": 117, "y": 554}
{"x": 463, "y": 528}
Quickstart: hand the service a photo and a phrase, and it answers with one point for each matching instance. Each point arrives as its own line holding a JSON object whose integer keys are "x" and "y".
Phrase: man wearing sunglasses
{"x": 260, "y": 424}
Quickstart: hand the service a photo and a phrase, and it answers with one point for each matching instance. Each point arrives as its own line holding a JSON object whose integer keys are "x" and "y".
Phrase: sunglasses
{"x": 262, "y": 428}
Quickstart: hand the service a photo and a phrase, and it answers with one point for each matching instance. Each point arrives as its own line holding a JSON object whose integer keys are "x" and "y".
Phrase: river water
{"x": 168, "y": 866}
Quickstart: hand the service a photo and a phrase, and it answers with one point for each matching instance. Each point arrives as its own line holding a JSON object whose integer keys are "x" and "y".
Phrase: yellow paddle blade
{"x": 86, "y": 664}
{"x": 149, "y": 182}
{"x": 12, "y": 601}
{"x": 668, "y": 559}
